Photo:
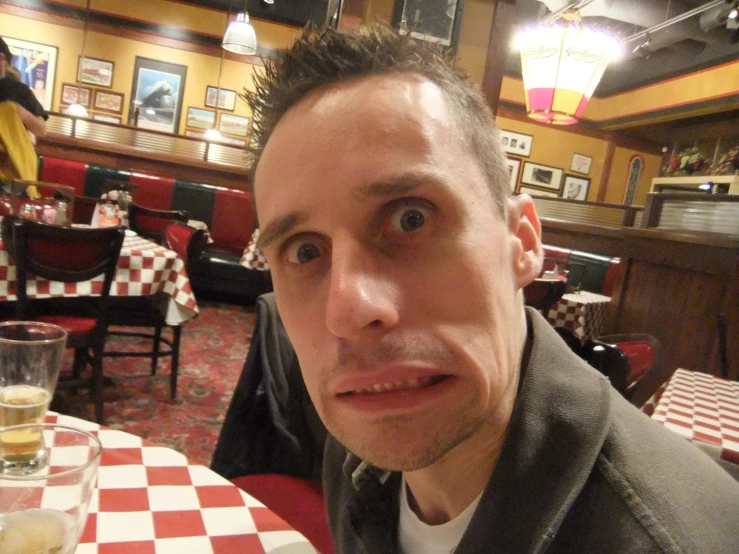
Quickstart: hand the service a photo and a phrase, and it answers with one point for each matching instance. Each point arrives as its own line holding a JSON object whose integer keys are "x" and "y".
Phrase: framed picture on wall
{"x": 107, "y": 118}
{"x": 537, "y": 192}
{"x": 581, "y": 163}
{"x": 74, "y": 94}
{"x": 542, "y": 176}
{"x": 95, "y": 72}
{"x": 37, "y": 66}
{"x": 436, "y": 21}
{"x": 576, "y": 188}
{"x": 236, "y": 125}
{"x": 108, "y": 101}
{"x": 198, "y": 118}
{"x": 226, "y": 98}
{"x": 156, "y": 93}
{"x": 516, "y": 143}
{"x": 514, "y": 167}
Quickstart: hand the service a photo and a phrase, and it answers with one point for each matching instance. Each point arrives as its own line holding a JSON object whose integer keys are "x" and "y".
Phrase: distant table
{"x": 584, "y": 312}
{"x": 150, "y": 499}
{"x": 252, "y": 257}
{"x": 705, "y": 410}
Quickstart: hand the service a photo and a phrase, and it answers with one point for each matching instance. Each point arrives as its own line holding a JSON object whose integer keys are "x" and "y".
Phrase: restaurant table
{"x": 144, "y": 268}
{"x": 703, "y": 409}
{"x": 584, "y": 312}
{"x": 150, "y": 499}
{"x": 252, "y": 257}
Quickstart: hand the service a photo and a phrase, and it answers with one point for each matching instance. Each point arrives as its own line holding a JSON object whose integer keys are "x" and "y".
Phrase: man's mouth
{"x": 406, "y": 384}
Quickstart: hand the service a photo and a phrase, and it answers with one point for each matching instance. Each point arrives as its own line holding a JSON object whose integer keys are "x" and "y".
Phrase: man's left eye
{"x": 409, "y": 219}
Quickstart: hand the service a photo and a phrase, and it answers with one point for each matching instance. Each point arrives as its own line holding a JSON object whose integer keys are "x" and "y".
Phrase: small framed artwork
{"x": 226, "y": 98}
{"x": 198, "y": 118}
{"x": 581, "y": 163}
{"x": 514, "y": 167}
{"x": 576, "y": 188}
{"x": 531, "y": 191}
{"x": 230, "y": 124}
{"x": 107, "y": 118}
{"x": 95, "y": 72}
{"x": 108, "y": 101}
{"x": 542, "y": 176}
{"x": 73, "y": 94}
{"x": 194, "y": 134}
{"x": 516, "y": 143}
{"x": 36, "y": 64}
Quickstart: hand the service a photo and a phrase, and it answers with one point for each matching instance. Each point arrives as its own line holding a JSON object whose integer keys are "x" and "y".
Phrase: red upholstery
{"x": 298, "y": 501}
{"x": 612, "y": 275}
{"x": 65, "y": 256}
{"x": 641, "y": 357}
{"x": 233, "y": 220}
{"x": 178, "y": 236}
{"x": 154, "y": 191}
{"x": 71, "y": 324}
{"x": 64, "y": 172}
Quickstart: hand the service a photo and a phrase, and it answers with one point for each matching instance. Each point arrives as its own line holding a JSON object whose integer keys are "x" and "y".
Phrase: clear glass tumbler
{"x": 45, "y": 512}
{"x": 31, "y": 356}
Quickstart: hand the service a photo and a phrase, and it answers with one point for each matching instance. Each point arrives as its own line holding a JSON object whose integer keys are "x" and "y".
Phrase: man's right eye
{"x": 302, "y": 252}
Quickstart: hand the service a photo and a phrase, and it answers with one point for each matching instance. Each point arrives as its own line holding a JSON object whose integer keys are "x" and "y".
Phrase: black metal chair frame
{"x": 135, "y": 211}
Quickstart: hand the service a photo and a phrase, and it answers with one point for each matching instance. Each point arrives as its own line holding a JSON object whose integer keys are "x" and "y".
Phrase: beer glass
{"x": 45, "y": 512}
{"x": 30, "y": 358}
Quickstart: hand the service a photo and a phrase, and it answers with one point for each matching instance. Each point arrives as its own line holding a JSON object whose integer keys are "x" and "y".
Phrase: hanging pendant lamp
{"x": 240, "y": 37}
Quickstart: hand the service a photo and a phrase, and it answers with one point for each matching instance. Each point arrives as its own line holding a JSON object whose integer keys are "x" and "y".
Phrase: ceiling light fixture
{"x": 562, "y": 64}
{"x": 240, "y": 37}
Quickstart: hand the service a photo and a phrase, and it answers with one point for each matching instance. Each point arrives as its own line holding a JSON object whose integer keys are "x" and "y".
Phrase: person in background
{"x": 29, "y": 109}
{"x": 459, "y": 420}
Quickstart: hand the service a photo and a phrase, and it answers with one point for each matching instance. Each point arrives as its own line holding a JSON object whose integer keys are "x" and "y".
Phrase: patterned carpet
{"x": 213, "y": 349}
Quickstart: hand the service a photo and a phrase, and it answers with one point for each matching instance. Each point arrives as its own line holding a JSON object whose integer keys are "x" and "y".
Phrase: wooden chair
{"x": 143, "y": 312}
{"x": 643, "y": 353}
{"x": 49, "y": 192}
{"x": 150, "y": 223}
{"x": 69, "y": 255}
{"x": 84, "y": 209}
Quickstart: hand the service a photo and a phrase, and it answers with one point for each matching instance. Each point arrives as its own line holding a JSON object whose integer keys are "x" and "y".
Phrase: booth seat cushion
{"x": 97, "y": 175}
{"x": 63, "y": 172}
{"x": 591, "y": 271}
{"x": 234, "y": 226}
{"x": 197, "y": 199}
{"x": 154, "y": 191}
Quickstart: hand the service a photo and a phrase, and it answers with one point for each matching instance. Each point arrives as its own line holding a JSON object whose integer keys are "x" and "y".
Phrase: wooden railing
{"x": 147, "y": 141}
{"x": 589, "y": 213}
{"x": 715, "y": 213}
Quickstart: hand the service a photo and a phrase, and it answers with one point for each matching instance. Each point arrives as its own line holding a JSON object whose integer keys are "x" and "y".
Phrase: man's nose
{"x": 362, "y": 295}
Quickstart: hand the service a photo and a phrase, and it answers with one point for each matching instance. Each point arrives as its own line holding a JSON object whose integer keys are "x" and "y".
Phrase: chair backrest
{"x": 542, "y": 294}
{"x": 84, "y": 209}
{"x": 643, "y": 353}
{"x": 150, "y": 223}
{"x": 65, "y": 254}
{"x": 187, "y": 241}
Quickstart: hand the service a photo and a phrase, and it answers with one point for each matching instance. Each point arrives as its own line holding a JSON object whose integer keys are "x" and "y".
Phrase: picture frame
{"x": 576, "y": 188}
{"x": 424, "y": 20}
{"x": 542, "y": 176}
{"x": 194, "y": 134}
{"x": 94, "y": 71}
{"x": 518, "y": 144}
{"x": 157, "y": 94}
{"x": 236, "y": 125}
{"x": 514, "y": 167}
{"x": 107, "y": 118}
{"x": 226, "y": 98}
{"x": 37, "y": 65}
{"x": 200, "y": 118}
{"x": 108, "y": 101}
{"x": 70, "y": 94}
{"x": 581, "y": 163}
{"x": 533, "y": 191}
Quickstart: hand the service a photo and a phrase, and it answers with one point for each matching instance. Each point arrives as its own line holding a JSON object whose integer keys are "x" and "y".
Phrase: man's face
{"x": 396, "y": 277}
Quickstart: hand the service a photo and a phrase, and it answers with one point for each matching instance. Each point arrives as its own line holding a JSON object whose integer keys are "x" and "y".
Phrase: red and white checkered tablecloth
{"x": 705, "y": 410}
{"x": 151, "y": 500}
{"x": 252, "y": 257}
{"x": 584, "y": 312}
{"x": 144, "y": 268}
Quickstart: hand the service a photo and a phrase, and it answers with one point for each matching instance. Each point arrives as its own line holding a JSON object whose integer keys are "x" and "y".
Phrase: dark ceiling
{"x": 683, "y": 57}
{"x": 290, "y": 12}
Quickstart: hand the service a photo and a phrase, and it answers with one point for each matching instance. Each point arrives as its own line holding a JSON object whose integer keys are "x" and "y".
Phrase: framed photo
{"x": 542, "y": 176}
{"x": 73, "y": 94}
{"x": 194, "y": 134}
{"x": 95, "y": 72}
{"x": 576, "y": 188}
{"x": 516, "y": 143}
{"x": 106, "y": 118}
{"x": 429, "y": 20}
{"x": 37, "y": 65}
{"x": 199, "y": 118}
{"x": 232, "y": 141}
{"x": 157, "y": 92}
{"x": 581, "y": 163}
{"x": 514, "y": 166}
{"x": 108, "y": 101}
{"x": 537, "y": 192}
{"x": 230, "y": 124}
{"x": 226, "y": 98}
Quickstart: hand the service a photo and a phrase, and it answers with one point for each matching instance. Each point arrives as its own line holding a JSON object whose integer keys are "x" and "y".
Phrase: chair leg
{"x": 176, "y": 334}
{"x": 97, "y": 380}
{"x": 155, "y": 352}
{"x": 77, "y": 366}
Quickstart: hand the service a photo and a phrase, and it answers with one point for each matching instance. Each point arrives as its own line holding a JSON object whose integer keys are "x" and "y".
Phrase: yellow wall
{"x": 202, "y": 70}
{"x": 554, "y": 147}
{"x": 619, "y": 174}
{"x": 474, "y": 35}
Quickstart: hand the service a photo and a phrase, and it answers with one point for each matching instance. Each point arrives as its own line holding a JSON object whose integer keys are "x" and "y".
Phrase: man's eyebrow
{"x": 278, "y": 228}
{"x": 396, "y": 185}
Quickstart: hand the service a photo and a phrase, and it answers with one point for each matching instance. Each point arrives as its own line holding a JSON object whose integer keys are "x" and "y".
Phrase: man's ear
{"x": 524, "y": 225}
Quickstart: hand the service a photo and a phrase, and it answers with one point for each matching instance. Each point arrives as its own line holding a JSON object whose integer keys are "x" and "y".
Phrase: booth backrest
{"x": 229, "y": 213}
{"x": 593, "y": 272}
